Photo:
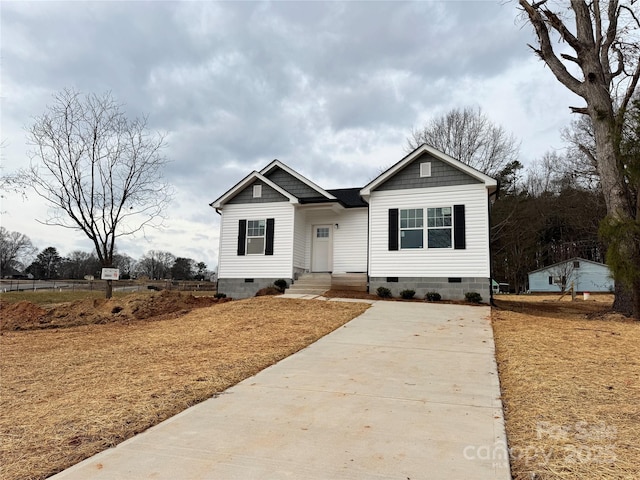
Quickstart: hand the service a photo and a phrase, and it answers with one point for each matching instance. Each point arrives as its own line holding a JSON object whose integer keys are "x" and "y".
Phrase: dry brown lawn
{"x": 68, "y": 393}
{"x": 570, "y": 379}
{"x": 569, "y": 372}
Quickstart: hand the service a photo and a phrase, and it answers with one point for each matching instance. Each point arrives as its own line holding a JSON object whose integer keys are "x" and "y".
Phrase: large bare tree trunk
{"x": 602, "y": 54}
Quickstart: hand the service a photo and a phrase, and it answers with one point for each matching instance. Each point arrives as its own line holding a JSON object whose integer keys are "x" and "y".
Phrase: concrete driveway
{"x": 405, "y": 391}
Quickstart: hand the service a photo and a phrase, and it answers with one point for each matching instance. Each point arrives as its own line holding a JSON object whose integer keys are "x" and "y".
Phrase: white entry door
{"x": 321, "y": 249}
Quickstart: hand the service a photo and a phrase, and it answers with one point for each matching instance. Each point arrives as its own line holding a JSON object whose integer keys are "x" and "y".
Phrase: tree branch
{"x": 546, "y": 52}
{"x": 582, "y": 110}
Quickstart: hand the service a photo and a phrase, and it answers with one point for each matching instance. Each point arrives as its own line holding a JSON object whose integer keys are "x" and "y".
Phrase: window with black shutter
{"x": 459, "y": 233}
{"x": 268, "y": 249}
{"x": 242, "y": 236}
{"x": 393, "y": 229}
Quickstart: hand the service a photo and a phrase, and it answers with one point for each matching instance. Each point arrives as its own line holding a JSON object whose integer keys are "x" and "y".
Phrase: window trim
{"x": 263, "y": 236}
{"x": 328, "y": 231}
{"x": 449, "y": 227}
{"x": 401, "y": 229}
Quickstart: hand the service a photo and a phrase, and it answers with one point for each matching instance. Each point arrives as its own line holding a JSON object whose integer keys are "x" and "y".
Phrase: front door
{"x": 322, "y": 249}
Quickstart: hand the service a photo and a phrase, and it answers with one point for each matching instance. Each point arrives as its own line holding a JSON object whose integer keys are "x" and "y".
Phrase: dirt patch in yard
{"x": 570, "y": 380}
{"x": 28, "y": 316}
{"x": 68, "y": 393}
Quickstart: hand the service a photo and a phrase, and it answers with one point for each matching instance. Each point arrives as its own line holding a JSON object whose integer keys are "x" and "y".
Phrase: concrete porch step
{"x": 349, "y": 281}
{"x": 318, "y": 283}
{"x": 306, "y": 291}
{"x": 314, "y": 278}
{"x": 311, "y": 284}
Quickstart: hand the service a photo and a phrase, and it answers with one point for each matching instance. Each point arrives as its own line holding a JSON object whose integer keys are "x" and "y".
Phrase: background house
{"x": 586, "y": 276}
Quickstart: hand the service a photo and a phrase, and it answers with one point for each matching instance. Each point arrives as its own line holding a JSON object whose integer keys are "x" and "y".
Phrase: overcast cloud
{"x": 331, "y": 89}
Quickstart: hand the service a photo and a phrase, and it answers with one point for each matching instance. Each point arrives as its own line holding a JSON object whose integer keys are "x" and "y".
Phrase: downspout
{"x": 219, "y": 249}
{"x": 496, "y": 192}
{"x": 368, "y": 241}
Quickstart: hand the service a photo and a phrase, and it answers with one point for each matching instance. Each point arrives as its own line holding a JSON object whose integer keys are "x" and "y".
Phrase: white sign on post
{"x": 110, "y": 274}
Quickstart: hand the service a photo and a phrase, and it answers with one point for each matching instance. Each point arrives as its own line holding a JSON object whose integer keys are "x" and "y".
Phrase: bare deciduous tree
{"x": 603, "y": 69}
{"x": 156, "y": 264}
{"x": 99, "y": 171}
{"x": 15, "y": 247}
{"x": 582, "y": 150}
{"x": 469, "y": 136}
{"x": 10, "y": 182}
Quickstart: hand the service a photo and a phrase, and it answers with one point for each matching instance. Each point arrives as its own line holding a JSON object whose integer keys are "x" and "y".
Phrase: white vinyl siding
{"x": 473, "y": 261}
{"x": 299, "y": 239}
{"x": 350, "y": 242}
{"x": 349, "y": 239}
{"x": 278, "y": 265}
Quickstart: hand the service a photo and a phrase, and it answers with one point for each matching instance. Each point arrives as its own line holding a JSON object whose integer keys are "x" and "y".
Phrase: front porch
{"x": 318, "y": 283}
{"x": 330, "y": 239}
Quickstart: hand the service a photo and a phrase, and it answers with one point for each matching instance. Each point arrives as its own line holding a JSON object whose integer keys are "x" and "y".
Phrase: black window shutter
{"x": 242, "y": 236}
{"x": 268, "y": 249}
{"x": 459, "y": 235}
{"x": 393, "y": 229}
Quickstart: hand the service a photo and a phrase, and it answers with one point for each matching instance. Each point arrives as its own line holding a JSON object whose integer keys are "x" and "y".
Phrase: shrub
{"x": 281, "y": 284}
{"x": 268, "y": 291}
{"x": 383, "y": 292}
{"x": 433, "y": 297}
{"x": 473, "y": 297}
{"x": 407, "y": 294}
{"x": 220, "y": 295}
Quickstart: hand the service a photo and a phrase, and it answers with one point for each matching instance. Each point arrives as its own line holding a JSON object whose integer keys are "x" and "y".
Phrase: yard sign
{"x": 110, "y": 274}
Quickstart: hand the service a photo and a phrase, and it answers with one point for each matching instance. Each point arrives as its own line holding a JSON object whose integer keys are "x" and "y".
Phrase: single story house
{"x": 422, "y": 224}
{"x": 585, "y": 275}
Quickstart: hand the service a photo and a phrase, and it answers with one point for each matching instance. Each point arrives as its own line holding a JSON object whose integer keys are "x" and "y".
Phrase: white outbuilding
{"x": 585, "y": 275}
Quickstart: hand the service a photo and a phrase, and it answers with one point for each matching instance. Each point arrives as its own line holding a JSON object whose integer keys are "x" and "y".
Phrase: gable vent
{"x": 425, "y": 169}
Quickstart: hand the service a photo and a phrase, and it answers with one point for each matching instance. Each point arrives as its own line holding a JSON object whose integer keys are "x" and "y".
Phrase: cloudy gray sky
{"x": 330, "y": 88}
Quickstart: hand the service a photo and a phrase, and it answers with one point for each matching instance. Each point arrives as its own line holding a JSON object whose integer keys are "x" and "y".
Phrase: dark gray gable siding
{"x": 268, "y": 195}
{"x": 291, "y": 184}
{"x": 442, "y": 175}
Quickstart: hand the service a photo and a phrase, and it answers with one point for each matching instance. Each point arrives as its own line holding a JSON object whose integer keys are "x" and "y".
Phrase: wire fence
{"x": 16, "y": 285}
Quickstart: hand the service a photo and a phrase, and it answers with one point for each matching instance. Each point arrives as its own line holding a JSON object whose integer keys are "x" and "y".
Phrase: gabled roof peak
{"x": 278, "y": 164}
{"x": 489, "y": 182}
{"x": 238, "y": 187}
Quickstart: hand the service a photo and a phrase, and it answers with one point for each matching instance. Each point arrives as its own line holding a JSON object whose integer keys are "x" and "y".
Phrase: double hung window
{"x": 439, "y": 227}
{"x": 255, "y": 237}
{"x": 411, "y": 228}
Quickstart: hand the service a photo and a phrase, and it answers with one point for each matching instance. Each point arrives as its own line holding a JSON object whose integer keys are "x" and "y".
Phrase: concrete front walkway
{"x": 405, "y": 391}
